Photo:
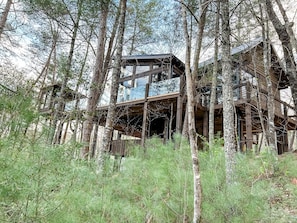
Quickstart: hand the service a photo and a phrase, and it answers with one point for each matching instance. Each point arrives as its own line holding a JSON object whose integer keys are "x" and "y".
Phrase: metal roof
{"x": 236, "y": 50}
{"x": 153, "y": 57}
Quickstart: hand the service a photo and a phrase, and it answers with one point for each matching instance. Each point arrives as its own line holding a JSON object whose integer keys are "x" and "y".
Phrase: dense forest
{"x": 148, "y": 111}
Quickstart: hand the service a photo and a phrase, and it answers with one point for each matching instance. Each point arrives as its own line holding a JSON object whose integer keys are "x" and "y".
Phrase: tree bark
{"x": 55, "y": 138}
{"x": 286, "y": 40}
{"x": 214, "y": 79}
{"x": 107, "y": 137}
{"x": 203, "y": 5}
{"x": 4, "y": 16}
{"x": 77, "y": 113}
{"x": 288, "y": 24}
{"x": 97, "y": 83}
{"x": 270, "y": 100}
{"x": 191, "y": 123}
{"x": 228, "y": 109}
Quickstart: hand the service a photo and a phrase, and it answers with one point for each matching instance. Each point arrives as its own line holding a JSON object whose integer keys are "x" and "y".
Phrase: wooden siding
{"x": 121, "y": 147}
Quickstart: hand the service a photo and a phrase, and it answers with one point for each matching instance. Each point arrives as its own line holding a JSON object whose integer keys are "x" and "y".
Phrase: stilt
{"x": 166, "y": 130}
{"x": 285, "y": 130}
{"x": 170, "y": 122}
{"x": 248, "y": 119}
{"x": 145, "y": 114}
{"x": 179, "y": 114}
{"x": 248, "y": 127}
{"x": 205, "y": 124}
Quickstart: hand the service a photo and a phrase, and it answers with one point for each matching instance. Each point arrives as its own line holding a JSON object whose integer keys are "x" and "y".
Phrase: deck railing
{"x": 155, "y": 89}
{"x": 247, "y": 91}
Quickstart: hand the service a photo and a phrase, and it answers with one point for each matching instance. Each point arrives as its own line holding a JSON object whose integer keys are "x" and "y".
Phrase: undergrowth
{"x": 40, "y": 183}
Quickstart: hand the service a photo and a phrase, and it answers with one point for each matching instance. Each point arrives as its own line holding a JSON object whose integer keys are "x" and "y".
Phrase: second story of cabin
{"x": 145, "y": 76}
{"x": 248, "y": 76}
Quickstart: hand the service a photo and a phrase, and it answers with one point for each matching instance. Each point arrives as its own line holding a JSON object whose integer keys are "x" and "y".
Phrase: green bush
{"x": 238, "y": 202}
{"x": 40, "y": 183}
{"x": 43, "y": 184}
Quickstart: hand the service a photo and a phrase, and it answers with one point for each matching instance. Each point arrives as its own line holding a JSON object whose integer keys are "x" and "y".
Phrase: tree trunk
{"x": 107, "y": 137}
{"x": 55, "y": 138}
{"x": 270, "y": 100}
{"x": 288, "y": 24}
{"x": 286, "y": 40}
{"x": 228, "y": 109}
{"x": 97, "y": 83}
{"x": 203, "y": 5}
{"x": 4, "y": 16}
{"x": 77, "y": 112}
{"x": 191, "y": 123}
{"x": 214, "y": 79}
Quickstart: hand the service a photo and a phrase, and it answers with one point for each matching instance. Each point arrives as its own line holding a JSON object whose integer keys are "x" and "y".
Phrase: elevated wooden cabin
{"x": 152, "y": 97}
{"x": 50, "y": 94}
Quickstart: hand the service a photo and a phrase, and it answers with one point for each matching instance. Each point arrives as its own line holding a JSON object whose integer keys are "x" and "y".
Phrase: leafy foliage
{"x": 17, "y": 112}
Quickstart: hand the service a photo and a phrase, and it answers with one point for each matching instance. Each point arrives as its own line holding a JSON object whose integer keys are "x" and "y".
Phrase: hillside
{"x": 40, "y": 183}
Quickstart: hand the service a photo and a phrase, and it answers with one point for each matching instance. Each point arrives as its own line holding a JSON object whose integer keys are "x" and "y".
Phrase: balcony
{"x": 155, "y": 89}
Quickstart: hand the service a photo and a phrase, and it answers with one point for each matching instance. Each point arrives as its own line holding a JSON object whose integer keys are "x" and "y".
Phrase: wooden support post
{"x": 285, "y": 130}
{"x": 205, "y": 124}
{"x": 179, "y": 114}
{"x": 248, "y": 118}
{"x": 248, "y": 127}
{"x": 179, "y": 106}
{"x": 170, "y": 121}
{"x": 145, "y": 116}
{"x": 166, "y": 130}
{"x": 240, "y": 135}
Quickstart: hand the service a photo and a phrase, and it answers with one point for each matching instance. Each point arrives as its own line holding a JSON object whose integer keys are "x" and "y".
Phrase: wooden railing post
{"x": 145, "y": 116}
{"x": 248, "y": 118}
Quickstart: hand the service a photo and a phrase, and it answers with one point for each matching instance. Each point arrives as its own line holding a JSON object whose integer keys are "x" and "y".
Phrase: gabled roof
{"x": 235, "y": 51}
{"x": 245, "y": 48}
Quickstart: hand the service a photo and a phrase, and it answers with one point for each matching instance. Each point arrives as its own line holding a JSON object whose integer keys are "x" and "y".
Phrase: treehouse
{"x": 50, "y": 95}
{"x": 152, "y": 97}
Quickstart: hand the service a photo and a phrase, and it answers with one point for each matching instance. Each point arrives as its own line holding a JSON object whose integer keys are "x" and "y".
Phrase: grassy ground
{"x": 39, "y": 183}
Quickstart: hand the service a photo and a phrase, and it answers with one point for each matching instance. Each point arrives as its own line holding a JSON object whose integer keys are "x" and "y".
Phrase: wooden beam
{"x": 144, "y": 118}
{"x": 285, "y": 130}
{"x": 248, "y": 127}
{"x": 248, "y": 119}
{"x": 179, "y": 114}
{"x": 205, "y": 124}
{"x": 143, "y": 74}
{"x": 170, "y": 121}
